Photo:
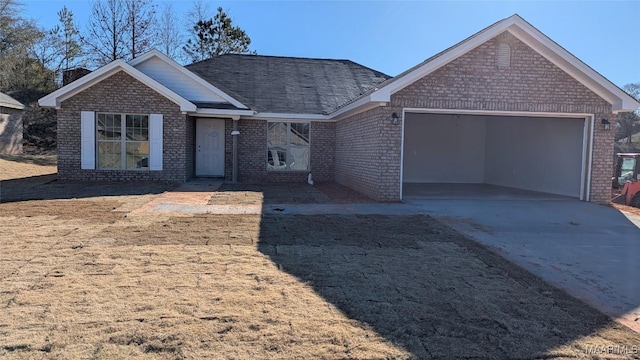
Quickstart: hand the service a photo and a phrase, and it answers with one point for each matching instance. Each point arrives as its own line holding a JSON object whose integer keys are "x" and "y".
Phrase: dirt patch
{"x": 287, "y": 193}
{"x": 340, "y": 194}
{"x": 24, "y": 166}
{"x": 196, "y": 230}
{"x": 625, "y": 208}
{"x": 258, "y": 194}
{"x": 97, "y": 210}
{"x": 47, "y": 187}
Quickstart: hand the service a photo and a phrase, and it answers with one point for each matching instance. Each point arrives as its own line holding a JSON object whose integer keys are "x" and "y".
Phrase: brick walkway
{"x": 193, "y": 193}
{"x": 205, "y": 196}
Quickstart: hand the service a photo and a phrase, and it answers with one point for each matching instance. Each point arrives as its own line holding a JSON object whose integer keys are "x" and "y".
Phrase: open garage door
{"x": 542, "y": 154}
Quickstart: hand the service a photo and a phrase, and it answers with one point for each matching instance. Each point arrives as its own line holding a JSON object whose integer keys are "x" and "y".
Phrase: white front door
{"x": 209, "y": 147}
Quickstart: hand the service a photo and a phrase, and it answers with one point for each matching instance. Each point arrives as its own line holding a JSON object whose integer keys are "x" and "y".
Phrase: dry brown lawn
{"x": 80, "y": 278}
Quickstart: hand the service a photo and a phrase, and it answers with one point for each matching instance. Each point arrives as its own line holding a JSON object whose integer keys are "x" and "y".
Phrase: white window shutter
{"x": 155, "y": 142}
{"x": 87, "y": 140}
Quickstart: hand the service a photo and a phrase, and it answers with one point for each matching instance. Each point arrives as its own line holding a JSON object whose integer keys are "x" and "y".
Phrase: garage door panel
{"x": 437, "y": 149}
{"x": 540, "y": 154}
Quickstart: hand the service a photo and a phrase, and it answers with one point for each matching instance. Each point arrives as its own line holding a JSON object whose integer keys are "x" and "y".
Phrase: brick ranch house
{"x": 507, "y": 106}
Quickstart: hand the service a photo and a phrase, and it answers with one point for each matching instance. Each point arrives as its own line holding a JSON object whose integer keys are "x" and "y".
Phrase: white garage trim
{"x": 587, "y": 141}
{"x": 588, "y": 152}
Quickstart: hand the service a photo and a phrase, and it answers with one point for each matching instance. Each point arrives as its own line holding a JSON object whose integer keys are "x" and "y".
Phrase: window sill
{"x": 125, "y": 170}
{"x": 287, "y": 171}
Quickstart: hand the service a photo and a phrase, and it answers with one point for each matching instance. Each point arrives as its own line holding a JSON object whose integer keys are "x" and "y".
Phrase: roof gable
{"x": 57, "y": 97}
{"x": 182, "y": 81}
{"x": 530, "y": 36}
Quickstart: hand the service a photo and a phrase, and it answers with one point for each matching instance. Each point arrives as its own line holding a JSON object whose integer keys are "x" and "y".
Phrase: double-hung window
{"x": 288, "y": 146}
{"x": 122, "y": 141}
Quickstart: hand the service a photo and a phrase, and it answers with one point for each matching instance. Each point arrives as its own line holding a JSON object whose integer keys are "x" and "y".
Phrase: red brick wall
{"x": 471, "y": 82}
{"x": 123, "y": 94}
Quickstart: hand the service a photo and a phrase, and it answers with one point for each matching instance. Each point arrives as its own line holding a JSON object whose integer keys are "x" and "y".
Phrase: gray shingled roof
{"x": 9, "y": 102}
{"x": 286, "y": 84}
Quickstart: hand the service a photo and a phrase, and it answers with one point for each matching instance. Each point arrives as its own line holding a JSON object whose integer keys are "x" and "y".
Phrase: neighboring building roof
{"x": 525, "y": 32}
{"x": 275, "y": 84}
{"x": 9, "y": 102}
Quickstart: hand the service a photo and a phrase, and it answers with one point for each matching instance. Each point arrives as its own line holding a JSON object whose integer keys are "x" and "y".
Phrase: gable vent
{"x": 504, "y": 55}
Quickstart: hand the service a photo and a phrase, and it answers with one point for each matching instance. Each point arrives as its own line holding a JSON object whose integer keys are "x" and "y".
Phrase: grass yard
{"x": 81, "y": 279}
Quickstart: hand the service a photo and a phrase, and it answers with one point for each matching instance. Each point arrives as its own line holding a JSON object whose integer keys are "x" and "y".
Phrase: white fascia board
{"x": 286, "y": 116}
{"x": 372, "y": 100}
{"x": 225, "y": 113}
{"x": 155, "y": 53}
{"x": 12, "y": 106}
{"x": 498, "y": 113}
{"x": 55, "y": 98}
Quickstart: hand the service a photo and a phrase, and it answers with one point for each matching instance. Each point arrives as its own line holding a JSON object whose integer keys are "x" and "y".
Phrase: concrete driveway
{"x": 591, "y": 251}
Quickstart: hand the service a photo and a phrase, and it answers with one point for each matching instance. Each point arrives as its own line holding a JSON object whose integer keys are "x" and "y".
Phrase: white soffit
{"x": 177, "y": 78}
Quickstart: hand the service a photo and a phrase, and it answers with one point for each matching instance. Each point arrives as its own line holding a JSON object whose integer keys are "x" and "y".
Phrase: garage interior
{"x": 493, "y": 156}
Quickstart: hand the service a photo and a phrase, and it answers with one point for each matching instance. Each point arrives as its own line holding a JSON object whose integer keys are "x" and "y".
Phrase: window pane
{"x": 299, "y": 146}
{"x": 108, "y": 127}
{"x": 109, "y": 155}
{"x": 117, "y": 127}
{"x": 137, "y": 127}
{"x": 277, "y": 146}
{"x": 299, "y": 157}
{"x": 300, "y": 133}
{"x": 628, "y": 164}
{"x": 137, "y": 155}
{"x": 101, "y": 127}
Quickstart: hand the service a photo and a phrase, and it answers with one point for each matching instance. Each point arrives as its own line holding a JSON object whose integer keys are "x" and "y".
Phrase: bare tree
{"x": 169, "y": 36}
{"x": 140, "y": 29}
{"x": 120, "y": 29}
{"x": 106, "y": 38}
{"x": 200, "y": 11}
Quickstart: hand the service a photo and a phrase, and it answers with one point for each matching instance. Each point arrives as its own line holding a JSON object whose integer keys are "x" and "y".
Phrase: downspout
{"x": 234, "y": 135}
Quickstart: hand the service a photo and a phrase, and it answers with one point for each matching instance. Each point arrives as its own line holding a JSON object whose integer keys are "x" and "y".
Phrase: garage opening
{"x": 517, "y": 154}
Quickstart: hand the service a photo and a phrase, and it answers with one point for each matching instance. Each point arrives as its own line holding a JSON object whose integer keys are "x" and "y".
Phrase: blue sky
{"x": 392, "y": 36}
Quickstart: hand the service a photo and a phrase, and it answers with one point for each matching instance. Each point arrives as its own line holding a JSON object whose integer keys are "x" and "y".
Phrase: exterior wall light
{"x": 394, "y": 119}
{"x": 235, "y": 133}
{"x": 606, "y": 124}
